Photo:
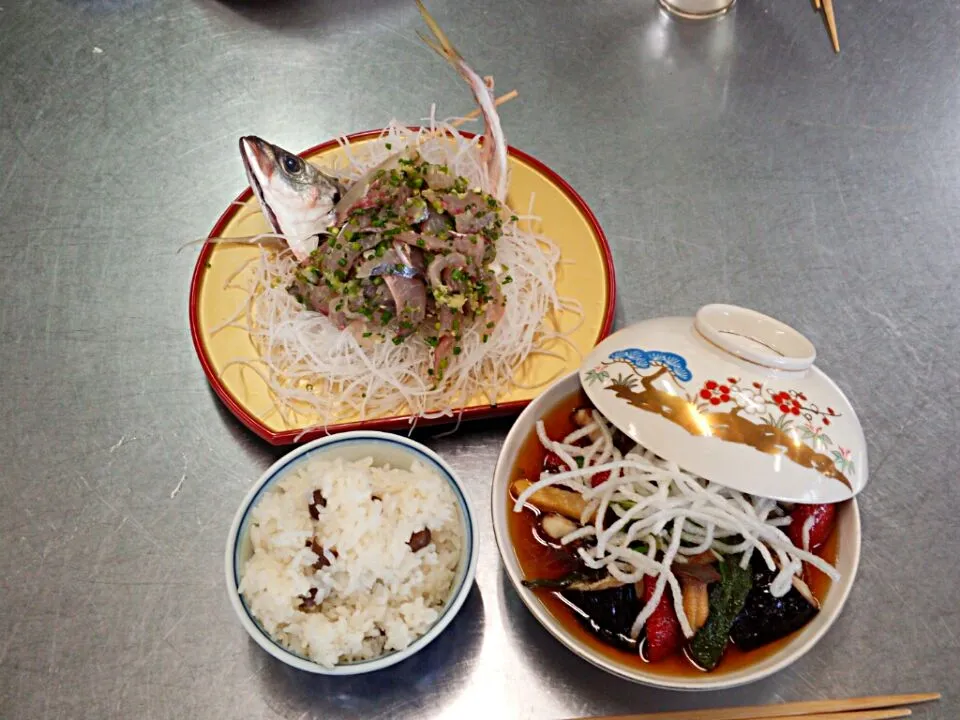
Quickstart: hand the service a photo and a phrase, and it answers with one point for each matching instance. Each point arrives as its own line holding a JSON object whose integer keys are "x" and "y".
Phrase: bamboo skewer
{"x": 816, "y": 4}
{"x": 864, "y": 708}
{"x": 474, "y": 114}
{"x": 831, "y": 24}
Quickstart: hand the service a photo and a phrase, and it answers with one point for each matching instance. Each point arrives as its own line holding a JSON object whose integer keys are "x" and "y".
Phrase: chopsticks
{"x": 858, "y": 715}
{"x": 827, "y": 7}
{"x": 831, "y": 24}
{"x": 877, "y": 707}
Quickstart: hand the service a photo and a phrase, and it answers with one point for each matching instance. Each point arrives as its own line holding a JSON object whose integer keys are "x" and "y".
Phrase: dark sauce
{"x": 538, "y": 559}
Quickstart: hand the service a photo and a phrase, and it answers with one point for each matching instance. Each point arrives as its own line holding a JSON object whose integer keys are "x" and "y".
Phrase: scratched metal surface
{"x": 737, "y": 161}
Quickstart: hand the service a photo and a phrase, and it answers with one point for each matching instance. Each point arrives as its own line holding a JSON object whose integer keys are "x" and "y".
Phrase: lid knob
{"x": 754, "y": 337}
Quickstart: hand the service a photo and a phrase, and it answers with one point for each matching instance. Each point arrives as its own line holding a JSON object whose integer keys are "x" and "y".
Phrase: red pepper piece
{"x": 664, "y": 636}
{"x": 599, "y": 478}
{"x": 824, "y": 518}
{"x": 553, "y": 464}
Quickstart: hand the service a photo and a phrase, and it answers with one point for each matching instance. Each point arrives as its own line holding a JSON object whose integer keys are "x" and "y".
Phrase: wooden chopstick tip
{"x": 831, "y": 24}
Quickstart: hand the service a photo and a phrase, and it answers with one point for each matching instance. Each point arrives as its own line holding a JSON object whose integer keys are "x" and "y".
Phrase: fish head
{"x": 296, "y": 197}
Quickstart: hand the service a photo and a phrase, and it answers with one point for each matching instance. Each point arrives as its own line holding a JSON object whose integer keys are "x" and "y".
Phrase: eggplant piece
{"x": 608, "y": 614}
{"x": 582, "y": 578}
{"x": 623, "y": 442}
{"x": 766, "y": 618}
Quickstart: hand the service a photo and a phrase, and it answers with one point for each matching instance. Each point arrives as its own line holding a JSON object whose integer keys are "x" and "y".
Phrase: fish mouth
{"x": 258, "y": 159}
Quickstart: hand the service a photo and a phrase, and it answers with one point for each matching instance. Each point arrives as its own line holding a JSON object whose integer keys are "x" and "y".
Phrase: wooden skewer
{"x": 816, "y": 4}
{"x": 476, "y": 113}
{"x": 831, "y": 24}
{"x": 846, "y": 709}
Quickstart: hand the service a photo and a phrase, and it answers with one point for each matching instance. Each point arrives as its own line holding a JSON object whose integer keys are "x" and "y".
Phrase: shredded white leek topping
{"x": 312, "y": 367}
{"x": 667, "y": 509}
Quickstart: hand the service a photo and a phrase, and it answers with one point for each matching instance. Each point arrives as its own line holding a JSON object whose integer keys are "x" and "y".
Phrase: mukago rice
{"x": 376, "y": 594}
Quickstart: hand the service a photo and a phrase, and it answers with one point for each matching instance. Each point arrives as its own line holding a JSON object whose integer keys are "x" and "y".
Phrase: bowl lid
{"x": 733, "y": 396}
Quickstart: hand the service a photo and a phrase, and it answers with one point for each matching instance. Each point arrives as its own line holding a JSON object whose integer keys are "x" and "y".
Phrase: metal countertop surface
{"x": 735, "y": 161}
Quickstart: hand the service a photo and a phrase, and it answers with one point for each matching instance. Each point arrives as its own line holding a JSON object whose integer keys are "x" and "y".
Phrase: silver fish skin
{"x": 296, "y": 197}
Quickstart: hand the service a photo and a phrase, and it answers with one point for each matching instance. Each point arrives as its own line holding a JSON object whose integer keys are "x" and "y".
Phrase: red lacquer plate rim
{"x": 399, "y": 422}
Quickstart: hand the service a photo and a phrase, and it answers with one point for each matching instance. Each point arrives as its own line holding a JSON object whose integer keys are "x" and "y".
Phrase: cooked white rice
{"x": 376, "y": 595}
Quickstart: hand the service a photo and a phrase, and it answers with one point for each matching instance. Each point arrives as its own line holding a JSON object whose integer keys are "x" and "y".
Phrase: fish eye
{"x": 292, "y": 164}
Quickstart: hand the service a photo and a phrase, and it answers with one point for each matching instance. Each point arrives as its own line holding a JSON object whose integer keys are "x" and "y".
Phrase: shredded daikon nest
{"x": 648, "y": 494}
{"x": 312, "y": 367}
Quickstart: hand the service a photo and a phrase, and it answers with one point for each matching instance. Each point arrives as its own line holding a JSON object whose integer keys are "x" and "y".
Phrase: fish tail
{"x": 494, "y": 151}
{"x": 442, "y": 46}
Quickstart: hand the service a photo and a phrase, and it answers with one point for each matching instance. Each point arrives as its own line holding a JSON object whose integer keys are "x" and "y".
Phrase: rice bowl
{"x": 351, "y": 553}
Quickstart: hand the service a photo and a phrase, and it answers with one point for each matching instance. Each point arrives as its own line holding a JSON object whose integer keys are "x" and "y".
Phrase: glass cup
{"x": 697, "y": 9}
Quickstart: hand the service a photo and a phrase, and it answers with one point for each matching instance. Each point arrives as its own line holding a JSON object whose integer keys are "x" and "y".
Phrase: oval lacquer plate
{"x": 585, "y": 274}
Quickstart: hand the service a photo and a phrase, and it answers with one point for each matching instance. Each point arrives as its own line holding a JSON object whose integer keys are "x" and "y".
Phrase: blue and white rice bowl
{"x": 402, "y": 588}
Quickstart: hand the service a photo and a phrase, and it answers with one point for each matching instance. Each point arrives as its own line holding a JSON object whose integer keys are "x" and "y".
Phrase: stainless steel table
{"x": 737, "y": 161}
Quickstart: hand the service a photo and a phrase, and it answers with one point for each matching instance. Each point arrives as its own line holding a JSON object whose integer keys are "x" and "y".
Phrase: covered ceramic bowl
{"x": 595, "y": 535}
{"x": 732, "y": 396}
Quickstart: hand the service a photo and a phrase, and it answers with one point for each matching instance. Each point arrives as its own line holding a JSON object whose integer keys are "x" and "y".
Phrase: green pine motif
{"x": 596, "y": 375}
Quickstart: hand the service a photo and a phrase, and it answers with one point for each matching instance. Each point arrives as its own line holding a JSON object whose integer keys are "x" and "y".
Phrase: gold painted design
{"x": 692, "y": 412}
